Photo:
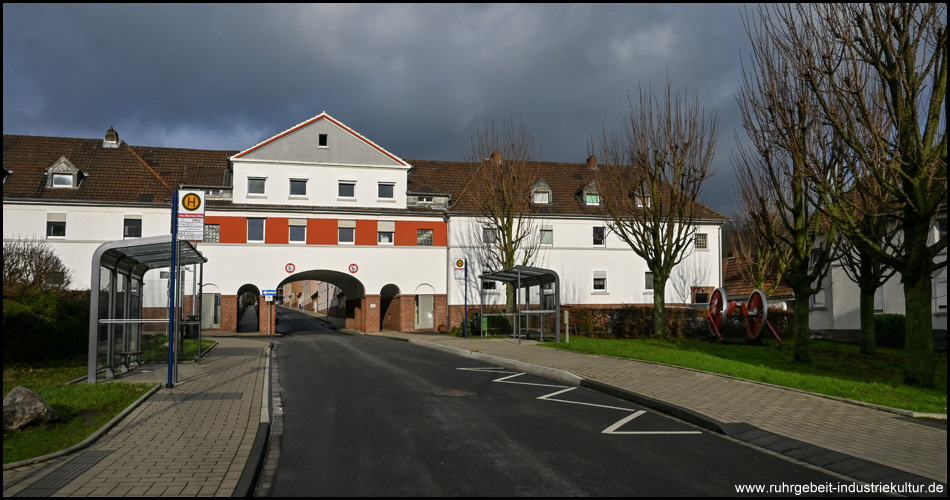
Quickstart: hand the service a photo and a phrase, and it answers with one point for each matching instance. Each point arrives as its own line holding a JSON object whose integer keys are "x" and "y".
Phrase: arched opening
{"x": 248, "y": 298}
{"x": 425, "y": 307}
{"x": 390, "y": 317}
{"x": 337, "y": 297}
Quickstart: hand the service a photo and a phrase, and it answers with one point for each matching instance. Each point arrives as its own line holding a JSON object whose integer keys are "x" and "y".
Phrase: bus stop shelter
{"x": 523, "y": 278}
{"x": 115, "y": 309}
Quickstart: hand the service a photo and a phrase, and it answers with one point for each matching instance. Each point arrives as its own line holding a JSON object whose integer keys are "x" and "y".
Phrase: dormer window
{"x": 63, "y": 174}
{"x": 641, "y": 197}
{"x": 541, "y": 193}
{"x": 63, "y": 180}
{"x": 642, "y": 200}
{"x": 590, "y": 195}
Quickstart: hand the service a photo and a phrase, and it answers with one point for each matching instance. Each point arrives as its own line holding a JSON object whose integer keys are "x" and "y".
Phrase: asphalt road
{"x": 370, "y": 416}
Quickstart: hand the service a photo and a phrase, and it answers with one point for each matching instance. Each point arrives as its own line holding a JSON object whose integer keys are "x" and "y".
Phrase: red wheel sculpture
{"x": 756, "y": 313}
{"x": 717, "y": 308}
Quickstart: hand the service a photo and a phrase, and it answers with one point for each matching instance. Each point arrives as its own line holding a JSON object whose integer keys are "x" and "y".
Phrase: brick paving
{"x": 190, "y": 440}
{"x": 198, "y": 438}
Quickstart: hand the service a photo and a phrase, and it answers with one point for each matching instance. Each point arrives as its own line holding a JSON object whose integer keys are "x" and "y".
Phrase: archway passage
{"x": 390, "y": 312}
{"x": 248, "y": 308}
{"x": 356, "y": 310}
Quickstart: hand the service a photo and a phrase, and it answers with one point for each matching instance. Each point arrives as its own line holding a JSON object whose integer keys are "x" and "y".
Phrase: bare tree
{"x": 652, "y": 176}
{"x": 30, "y": 265}
{"x": 757, "y": 260}
{"x": 500, "y": 191}
{"x": 788, "y": 139}
{"x": 879, "y": 74}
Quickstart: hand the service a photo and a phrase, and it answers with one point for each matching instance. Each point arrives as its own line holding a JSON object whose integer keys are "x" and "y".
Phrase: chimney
{"x": 592, "y": 162}
{"x": 112, "y": 139}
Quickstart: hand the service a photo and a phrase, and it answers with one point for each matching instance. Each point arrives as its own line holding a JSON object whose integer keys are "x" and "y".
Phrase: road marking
{"x": 612, "y": 429}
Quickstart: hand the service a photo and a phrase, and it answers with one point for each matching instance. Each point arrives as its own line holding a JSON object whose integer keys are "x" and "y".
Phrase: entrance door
{"x": 425, "y": 312}
{"x": 210, "y": 311}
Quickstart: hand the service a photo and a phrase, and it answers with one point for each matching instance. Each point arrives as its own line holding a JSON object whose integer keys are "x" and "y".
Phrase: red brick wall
{"x": 407, "y": 315}
{"x": 438, "y": 309}
{"x": 393, "y": 314}
{"x": 370, "y": 307}
{"x": 229, "y": 313}
{"x": 265, "y": 320}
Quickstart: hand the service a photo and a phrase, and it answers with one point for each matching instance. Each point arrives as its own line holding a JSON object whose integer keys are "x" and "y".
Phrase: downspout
{"x": 448, "y": 275}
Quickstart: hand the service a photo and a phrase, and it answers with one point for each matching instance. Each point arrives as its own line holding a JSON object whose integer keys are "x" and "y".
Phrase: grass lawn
{"x": 82, "y": 408}
{"x": 836, "y": 370}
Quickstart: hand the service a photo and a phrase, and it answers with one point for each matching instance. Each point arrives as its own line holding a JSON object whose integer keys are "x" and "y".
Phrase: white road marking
{"x": 550, "y": 397}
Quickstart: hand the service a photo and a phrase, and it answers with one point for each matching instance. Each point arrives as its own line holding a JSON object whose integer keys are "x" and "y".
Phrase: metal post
{"x": 201, "y": 281}
{"x": 517, "y": 314}
{"x": 172, "y": 294}
{"x": 465, "y": 317}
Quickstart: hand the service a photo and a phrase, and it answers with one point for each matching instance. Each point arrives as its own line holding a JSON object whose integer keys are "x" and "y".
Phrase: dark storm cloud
{"x": 416, "y": 79}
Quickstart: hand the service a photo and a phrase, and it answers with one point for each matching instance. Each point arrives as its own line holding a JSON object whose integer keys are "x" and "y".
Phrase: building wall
{"x": 575, "y": 258}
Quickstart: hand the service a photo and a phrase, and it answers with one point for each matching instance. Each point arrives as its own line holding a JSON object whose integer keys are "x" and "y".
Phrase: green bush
{"x": 682, "y": 322}
{"x": 889, "y": 330}
{"x": 45, "y": 326}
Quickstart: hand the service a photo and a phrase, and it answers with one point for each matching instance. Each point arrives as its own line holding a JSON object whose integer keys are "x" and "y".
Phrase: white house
{"x": 321, "y": 202}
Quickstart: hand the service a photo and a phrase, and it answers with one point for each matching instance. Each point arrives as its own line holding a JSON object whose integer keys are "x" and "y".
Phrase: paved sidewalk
{"x": 207, "y": 435}
{"x": 854, "y": 440}
{"x": 191, "y": 440}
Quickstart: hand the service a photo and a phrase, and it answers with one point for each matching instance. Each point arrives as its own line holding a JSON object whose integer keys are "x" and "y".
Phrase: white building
{"x": 321, "y": 202}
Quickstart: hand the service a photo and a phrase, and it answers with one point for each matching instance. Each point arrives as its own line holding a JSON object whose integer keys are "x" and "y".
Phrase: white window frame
{"x": 292, "y": 223}
{"x": 325, "y": 139}
{"x": 345, "y": 182}
{"x": 55, "y": 217}
{"x": 70, "y": 179}
{"x": 263, "y": 229}
{"x": 599, "y": 274}
{"x": 648, "y": 281}
{"x": 701, "y": 241}
{"x": 290, "y": 187}
{"x": 263, "y": 180}
{"x": 386, "y": 227}
{"x": 380, "y": 185}
{"x": 603, "y": 242}
{"x": 489, "y": 235}
{"x": 125, "y": 221}
{"x": 549, "y": 231}
{"x": 346, "y": 227}
{"x": 541, "y": 197}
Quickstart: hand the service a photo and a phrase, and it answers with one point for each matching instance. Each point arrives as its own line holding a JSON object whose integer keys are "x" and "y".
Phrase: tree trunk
{"x": 868, "y": 340}
{"x": 801, "y": 331}
{"x": 918, "y": 336}
{"x": 659, "y": 311}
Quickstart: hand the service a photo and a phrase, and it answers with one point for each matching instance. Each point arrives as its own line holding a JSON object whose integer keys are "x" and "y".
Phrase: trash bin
{"x": 475, "y": 325}
{"x": 190, "y": 327}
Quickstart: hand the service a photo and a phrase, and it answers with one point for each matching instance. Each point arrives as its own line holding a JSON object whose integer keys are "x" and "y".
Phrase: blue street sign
{"x": 269, "y": 292}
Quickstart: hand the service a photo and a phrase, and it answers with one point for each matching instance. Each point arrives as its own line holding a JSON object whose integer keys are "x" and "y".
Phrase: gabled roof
{"x": 567, "y": 181}
{"x": 122, "y": 174}
{"x": 320, "y": 117}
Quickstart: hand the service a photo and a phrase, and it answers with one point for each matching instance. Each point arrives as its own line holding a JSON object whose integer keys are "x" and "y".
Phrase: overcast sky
{"x": 418, "y": 80}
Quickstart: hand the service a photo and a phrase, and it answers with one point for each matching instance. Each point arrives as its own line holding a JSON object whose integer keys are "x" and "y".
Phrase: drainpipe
{"x": 448, "y": 275}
